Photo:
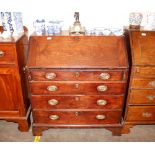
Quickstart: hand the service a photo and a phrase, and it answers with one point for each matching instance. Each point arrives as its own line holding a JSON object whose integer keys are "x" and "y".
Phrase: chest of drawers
{"x": 77, "y": 81}
{"x": 14, "y": 103}
{"x": 141, "y": 94}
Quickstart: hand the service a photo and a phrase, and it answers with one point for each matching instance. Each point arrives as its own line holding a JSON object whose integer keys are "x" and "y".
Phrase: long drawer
{"x": 77, "y": 117}
{"x": 142, "y": 97}
{"x": 77, "y": 75}
{"x": 143, "y": 83}
{"x": 141, "y": 113}
{"x": 77, "y": 102}
{"x": 68, "y": 87}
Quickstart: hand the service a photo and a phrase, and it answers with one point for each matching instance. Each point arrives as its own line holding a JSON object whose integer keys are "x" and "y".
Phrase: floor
{"x": 9, "y": 132}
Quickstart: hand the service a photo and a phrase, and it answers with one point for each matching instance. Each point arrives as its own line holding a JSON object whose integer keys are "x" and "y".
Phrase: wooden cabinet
{"x": 141, "y": 93}
{"x": 77, "y": 81}
{"x": 14, "y": 104}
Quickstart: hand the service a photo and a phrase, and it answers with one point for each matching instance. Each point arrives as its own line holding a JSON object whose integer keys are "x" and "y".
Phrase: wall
{"x": 93, "y": 13}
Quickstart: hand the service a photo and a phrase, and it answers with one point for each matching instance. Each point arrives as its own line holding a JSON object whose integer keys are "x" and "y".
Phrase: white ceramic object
{"x": 150, "y": 21}
{"x": 135, "y": 18}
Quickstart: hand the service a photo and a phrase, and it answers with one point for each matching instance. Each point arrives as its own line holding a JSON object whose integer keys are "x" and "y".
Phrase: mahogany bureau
{"x": 14, "y": 103}
{"x": 77, "y": 81}
{"x": 141, "y": 94}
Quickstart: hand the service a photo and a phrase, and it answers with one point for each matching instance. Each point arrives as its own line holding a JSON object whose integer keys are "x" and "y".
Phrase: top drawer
{"x": 143, "y": 47}
{"x": 7, "y": 54}
{"x": 77, "y": 75}
{"x": 145, "y": 72}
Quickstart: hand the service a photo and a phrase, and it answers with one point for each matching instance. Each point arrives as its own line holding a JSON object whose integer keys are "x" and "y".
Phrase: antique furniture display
{"x": 14, "y": 105}
{"x": 77, "y": 81}
{"x": 141, "y": 93}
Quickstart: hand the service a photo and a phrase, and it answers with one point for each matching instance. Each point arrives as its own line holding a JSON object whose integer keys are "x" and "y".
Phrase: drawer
{"x": 77, "y": 117}
{"x": 77, "y": 88}
{"x": 143, "y": 83}
{"x": 77, "y": 102}
{"x": 142, "y": 97}
{"x": 7, "y": 54}
{"x": 141, "y": 113}
{"x": 77, "y": 75}
{"x": 145, "y": 72}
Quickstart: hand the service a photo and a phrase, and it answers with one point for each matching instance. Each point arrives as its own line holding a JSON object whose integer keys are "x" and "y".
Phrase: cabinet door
{"x": 143, "y": 48}
{"x": 9, "y": 93}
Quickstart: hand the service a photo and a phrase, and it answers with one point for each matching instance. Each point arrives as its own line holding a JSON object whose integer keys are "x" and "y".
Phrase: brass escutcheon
{"x": 77, "y": 74}
{"x": 77, "y": 98}
{"x": 77, "y": 85}
{"x": 77, "y": 113}
{"x": 1, "y": 54}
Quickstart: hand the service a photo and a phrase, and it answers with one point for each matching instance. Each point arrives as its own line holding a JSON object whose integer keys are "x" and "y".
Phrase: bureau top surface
{"x": 77, "y": 52}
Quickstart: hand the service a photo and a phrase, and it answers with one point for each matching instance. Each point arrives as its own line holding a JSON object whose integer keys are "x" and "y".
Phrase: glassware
{"x": 39, "y": 26}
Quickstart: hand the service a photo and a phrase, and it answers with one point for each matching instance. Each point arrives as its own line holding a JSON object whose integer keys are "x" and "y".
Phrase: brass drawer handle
{"x": 100, "y": 117}
{"x": 150, "y": 97}
{"x": 146, "y": 114}
{"x": 50, "y": 76}
{"x": 102, "y": 88}
{"x": 101, "y": 102}
{"x": 52, "y": 88}
{"x": 104, "y": 76}
{"x": 1, "y": 54}
{"x": 53, "y": 102}
{"x": 152, "y": 83}
{"x": 54, "y": 117}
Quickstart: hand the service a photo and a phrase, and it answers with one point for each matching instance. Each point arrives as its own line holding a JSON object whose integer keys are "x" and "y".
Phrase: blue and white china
{"x": 54, "y": 27}
{"x": 135, "y": 18}
{"x": 50, "y": 28}
{"x": 39, "y": 26}
{"x": 7, "y": 22}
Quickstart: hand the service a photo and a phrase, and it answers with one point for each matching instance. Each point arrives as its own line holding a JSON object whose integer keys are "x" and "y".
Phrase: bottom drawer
{"x": 141, "y": 113}
{"x": 78, "y": 117}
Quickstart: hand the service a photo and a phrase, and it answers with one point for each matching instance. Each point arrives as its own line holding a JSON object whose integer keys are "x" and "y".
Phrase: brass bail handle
{"x": 52, "y": 88}
{"x": 50, "y": 76}
{"x": 104, "y": 76}
{"x": 54, "y": 117}
{"x": 100, "y": 117}
{"x": 53, "y": 102}
{"x": 102, "y": 88}
{"x": 101, "y": 102}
